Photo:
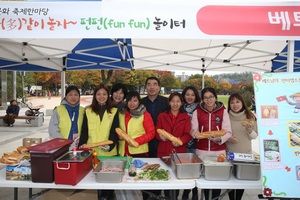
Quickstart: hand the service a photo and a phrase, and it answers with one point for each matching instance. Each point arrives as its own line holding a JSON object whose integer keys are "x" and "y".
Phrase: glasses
{"x": 208, "y": 98}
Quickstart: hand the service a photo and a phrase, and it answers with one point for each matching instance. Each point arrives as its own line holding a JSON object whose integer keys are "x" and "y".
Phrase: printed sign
{"x": 278, "y": 112}
{"x": 149, "y": 19}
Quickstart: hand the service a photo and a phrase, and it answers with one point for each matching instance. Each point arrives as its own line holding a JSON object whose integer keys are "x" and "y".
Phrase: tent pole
{"x": 290, "y": 58}
{"x": 203, "y": 71}
{"x": 4, "y": 89}
{"x": 14, "y": 82}
{"x": 63, "y": 84}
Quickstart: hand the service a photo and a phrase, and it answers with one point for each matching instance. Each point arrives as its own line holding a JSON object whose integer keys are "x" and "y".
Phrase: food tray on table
{"x": 246, "y": 170}
{"x": 186, "y": 165}
{"x": 166, "y": 160}
{"x": 122, "y": 158}
{"x": 214, "y": 170}
{"x": 110, "y": 171}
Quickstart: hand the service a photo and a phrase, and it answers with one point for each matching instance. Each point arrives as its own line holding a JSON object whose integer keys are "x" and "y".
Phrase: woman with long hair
{"x": 99, "y": 123}
{"x": 191, "y": 101}
{"x": 211, "y": 115}
{"x": 176, "y": 122}
{"x": 244, "y": 130}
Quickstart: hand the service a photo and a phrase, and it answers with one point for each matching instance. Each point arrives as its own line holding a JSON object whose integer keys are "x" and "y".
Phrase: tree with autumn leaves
{"x": 86, "y": 80}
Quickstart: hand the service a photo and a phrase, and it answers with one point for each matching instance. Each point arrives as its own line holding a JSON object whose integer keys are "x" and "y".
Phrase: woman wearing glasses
{"x": 211, "y": 115}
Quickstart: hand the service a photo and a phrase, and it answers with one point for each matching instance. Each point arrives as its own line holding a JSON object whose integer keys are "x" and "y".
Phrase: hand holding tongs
{"x": 174, "y": 152}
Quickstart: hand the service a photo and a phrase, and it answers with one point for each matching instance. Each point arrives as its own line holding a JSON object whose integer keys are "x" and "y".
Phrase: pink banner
{"x": 249, "y": 20}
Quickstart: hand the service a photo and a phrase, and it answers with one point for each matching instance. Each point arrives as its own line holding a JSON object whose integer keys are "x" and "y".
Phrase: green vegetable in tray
{"x": 154, "y": 175}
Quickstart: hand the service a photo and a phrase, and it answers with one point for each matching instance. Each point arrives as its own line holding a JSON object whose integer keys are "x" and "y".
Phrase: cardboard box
{"x": 15, "y": 172}
{"x": 70, "y": 195}
{"x": 31, "y": 141}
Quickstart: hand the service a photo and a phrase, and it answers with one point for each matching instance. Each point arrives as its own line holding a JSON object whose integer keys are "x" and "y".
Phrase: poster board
{"x": 278, "y": 118}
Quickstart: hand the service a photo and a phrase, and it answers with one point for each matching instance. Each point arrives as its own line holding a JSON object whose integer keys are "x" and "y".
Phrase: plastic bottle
{"x": 132, "y": 170}
{"x": 96, "y": 161}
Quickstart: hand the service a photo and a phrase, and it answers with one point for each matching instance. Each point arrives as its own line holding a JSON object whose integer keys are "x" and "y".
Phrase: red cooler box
{"x": 42, "y": 157}
{"x": 73, "y": 166}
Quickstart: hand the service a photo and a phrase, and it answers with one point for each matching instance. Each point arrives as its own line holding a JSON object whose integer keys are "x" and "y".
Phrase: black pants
{"x": 236, "y": 194}
{"x": 105, "y": 194}
{"x": 187, "y": 192}
{"x": 215, "y": 193}
{"x": 146, "y": 194}
{"x": 167, "y": 194}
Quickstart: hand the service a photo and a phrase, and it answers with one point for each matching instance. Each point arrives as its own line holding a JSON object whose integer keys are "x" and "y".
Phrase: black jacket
{"x": 11, "y": 109}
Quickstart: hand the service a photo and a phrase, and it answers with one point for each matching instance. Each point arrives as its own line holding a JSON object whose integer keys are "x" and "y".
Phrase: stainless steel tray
{"x": 76, "y": 156}
{"x": 246, "y": 171}
{"x": 110, "y": 176}
{"x": 166, "y": 160}
{"x": 189, "y": 168}
{"x": 216, "y": 171}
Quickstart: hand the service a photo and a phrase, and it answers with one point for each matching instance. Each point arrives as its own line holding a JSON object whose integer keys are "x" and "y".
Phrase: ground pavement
{"x": 11, "y": 138}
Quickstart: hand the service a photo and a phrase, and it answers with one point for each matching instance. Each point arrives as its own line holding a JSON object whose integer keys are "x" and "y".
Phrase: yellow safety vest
{"x": 135, "y": 129}
{"x": 100, "y": 130}
{"x": 65, "y": 122}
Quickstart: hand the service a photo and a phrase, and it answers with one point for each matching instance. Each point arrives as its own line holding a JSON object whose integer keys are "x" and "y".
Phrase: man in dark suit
{"x": 155, "y": 104}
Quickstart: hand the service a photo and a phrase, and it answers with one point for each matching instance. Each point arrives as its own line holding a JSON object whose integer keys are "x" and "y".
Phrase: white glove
{"x": 104, "y": 147}
{"x": 175, "y": 144}
{"x": 195, "y": 133}
{"x": 163, "y": 138}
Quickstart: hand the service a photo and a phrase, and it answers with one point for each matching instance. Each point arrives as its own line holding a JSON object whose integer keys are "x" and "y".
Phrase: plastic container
{"x": 72, "y": 167}
{"x": 110, "y": 175}
{"x": 216, "y": 171}
{"x": 42, "y": 157}
{"x": 246, "y": 171}
{"x": 189, "y": 168}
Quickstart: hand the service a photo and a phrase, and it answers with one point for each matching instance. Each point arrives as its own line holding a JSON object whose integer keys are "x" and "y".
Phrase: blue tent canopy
{"x": 65, "y": 54}
{"x": 101, "y": 54}
{"x": 279, "y": 63}
{"x": 20, "y": 66}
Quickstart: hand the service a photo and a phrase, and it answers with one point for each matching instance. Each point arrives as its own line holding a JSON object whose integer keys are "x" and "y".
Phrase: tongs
{"x": 174, "y": 152}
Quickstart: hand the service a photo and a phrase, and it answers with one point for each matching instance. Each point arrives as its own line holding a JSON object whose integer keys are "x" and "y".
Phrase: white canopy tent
{"x": 170, "y": 35}
{"x": 158, "y": 54}
{"x": 210, "y": 55}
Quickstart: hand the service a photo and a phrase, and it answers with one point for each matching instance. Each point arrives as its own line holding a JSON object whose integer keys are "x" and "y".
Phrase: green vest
{"x": 100, "y": 130}
{"x": 65, "y": 122}
{"x": 135, "y": 129}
